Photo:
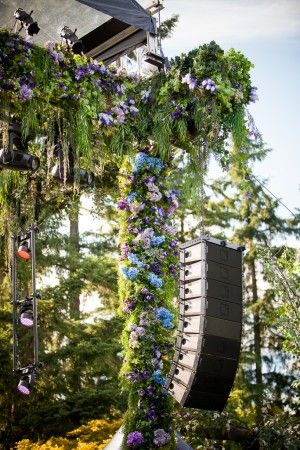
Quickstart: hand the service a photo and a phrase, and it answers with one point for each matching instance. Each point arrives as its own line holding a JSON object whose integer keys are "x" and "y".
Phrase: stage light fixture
{"x": 71, "y": 39}
{"x": 26, "y": 381}
{"x": 26, "y": 313}
{"x": 14, "y": 157}
{"x": 24, "y": 250}
{"x": 26, "y": 21}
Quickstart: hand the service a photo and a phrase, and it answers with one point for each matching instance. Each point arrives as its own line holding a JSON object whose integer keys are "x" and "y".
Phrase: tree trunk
{"x": 74, "y": 256}
{"x": 257, "y": 346}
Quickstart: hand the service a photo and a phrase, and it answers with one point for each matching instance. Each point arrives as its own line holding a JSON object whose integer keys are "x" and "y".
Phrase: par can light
{"x": 24, "y": 250}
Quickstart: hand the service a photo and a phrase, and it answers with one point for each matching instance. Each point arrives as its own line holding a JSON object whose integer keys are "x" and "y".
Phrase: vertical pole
{"x": 34, "y": 298}
{"x": 14, "y": 299}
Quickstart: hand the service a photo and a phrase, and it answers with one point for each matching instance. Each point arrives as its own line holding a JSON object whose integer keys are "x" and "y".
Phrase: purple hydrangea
{"x": 210, "y": 85}
{"x": 146, "y": 95}
{"x": 253, "y": 94}
{"x": 105, "y": 119}
{"x": 135, "y": 439}
{"x": 151, "y": 415}
{"x": 161, "y": 437}
{"x": 190, "y": 81}
{"x": 122, "y": 204}
{"x": 26, "y": 92}
{"x": 175, "y": 115}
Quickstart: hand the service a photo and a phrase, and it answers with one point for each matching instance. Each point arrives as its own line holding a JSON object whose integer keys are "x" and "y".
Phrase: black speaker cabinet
{"x": 210, "y": 326}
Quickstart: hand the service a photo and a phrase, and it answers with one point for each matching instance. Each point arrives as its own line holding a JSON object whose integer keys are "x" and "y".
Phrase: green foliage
{"x": 167, "y": 27}
{"x": 282, "y": 271}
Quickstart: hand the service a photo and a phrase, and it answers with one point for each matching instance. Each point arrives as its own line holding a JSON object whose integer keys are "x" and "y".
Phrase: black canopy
{"x": 128, "y": 11}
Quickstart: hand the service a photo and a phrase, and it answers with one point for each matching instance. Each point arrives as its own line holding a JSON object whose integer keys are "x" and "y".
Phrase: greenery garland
{"x": 148, "y": 269}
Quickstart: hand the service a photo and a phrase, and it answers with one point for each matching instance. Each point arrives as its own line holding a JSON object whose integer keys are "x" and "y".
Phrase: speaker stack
{"x": 210, "y": 325}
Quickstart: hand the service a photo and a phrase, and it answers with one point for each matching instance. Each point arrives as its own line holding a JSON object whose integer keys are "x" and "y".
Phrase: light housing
{"x": 24, "y": 250}
{"x": 26, "y": 314}
{"x": 14, "y": 157}
{"x": 26, "y": 381}
{"x": 71, "y": 39}
{"x": 26, "y": 21}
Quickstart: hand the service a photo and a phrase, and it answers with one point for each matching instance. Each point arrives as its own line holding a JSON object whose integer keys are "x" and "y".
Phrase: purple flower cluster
{"x": 209, "y": 85}
{"x": 118, "y": 113}
{"x": 190, "y": 81}
{"x": 161, "y": 437}
{"x": 129, "y": 305}
{"x": 137, "y": 375}
{"x": 135, "y": 439}
{"x": 26, "y": 92}
{"x": 253, "y": 94}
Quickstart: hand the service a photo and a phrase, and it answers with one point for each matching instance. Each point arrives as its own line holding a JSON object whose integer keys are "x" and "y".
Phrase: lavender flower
{"x": 135, "y": 439}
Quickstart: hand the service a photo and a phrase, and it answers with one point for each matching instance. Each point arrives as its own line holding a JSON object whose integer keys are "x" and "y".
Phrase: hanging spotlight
{"x": 24, "y": 250}
{"x": 27, "y": 380}
{"x": 70, "y": 38}
{"x": 26, "y": 313}
{"x": 26, "y": 21}
{"x": 14, "y": 157}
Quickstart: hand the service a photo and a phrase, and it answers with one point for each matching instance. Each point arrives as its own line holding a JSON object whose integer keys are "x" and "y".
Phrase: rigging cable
{"x": 267, "y": 189}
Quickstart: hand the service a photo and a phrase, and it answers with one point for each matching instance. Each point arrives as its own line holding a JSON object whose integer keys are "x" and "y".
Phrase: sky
{"x": 268, "y": 33}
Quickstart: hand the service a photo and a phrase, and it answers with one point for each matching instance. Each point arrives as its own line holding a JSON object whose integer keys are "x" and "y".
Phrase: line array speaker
{"x": 210, "y": 326}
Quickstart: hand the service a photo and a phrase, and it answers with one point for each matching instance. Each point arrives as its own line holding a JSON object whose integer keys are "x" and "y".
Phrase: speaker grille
{"x": 210, "y": 324}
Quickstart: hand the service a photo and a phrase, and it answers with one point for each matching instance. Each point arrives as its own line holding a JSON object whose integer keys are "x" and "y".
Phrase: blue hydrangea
{"x": 131, "y": 197}
{"x": 165, "y": 317}
{"x": 158, "y": 378}
{"x": 135, "y": 260}
{"x": 129, "y": 273}
{"x": 154, "y": 280}
{"x": 157, "y": 240}
{"x": 150, "y": 162}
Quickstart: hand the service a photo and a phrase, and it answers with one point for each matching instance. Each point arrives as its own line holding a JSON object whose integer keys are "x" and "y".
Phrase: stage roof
{"x": 108, "y": 28}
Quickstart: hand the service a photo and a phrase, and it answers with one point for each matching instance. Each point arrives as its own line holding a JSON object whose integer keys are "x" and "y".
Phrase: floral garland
{"x": 148, "y": 269}
{"x": 51, "y": 86}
